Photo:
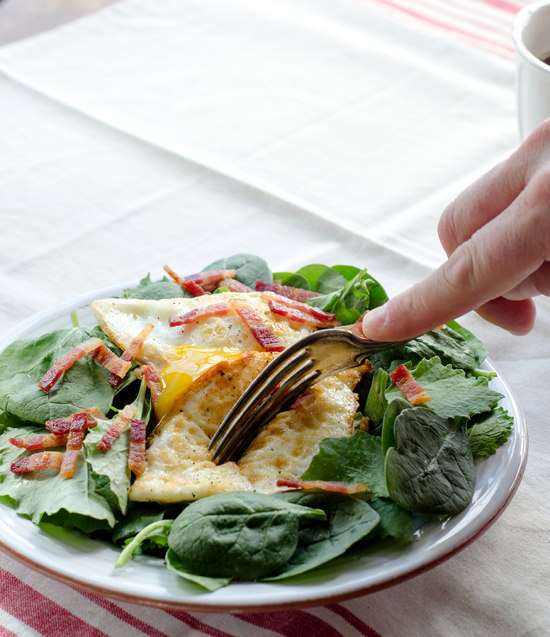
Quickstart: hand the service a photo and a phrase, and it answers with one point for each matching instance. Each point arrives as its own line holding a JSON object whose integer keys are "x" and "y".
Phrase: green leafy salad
{"x": 418, "y": 461}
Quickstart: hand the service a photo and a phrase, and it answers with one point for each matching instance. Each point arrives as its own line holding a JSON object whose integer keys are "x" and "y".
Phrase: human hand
{"x": 497, "y": 238}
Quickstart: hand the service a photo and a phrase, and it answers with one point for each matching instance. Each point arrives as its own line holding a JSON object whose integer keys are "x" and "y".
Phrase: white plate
{"x": 89, "y": 564}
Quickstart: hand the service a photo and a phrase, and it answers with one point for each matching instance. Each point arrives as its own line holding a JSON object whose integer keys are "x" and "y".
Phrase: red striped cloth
{"x": 31, "y": 604}
{"x": 485, "y": 24}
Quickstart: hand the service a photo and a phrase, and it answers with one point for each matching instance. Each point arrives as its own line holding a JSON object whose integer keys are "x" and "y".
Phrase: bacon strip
{"x": 301, "y": 313}
{"x": 324, "y": 485}
{"x": 188, "y": 284}
{"x": 61, "y": 426}
{"x": 234, "y": 286}
{"x": 68, "y": 359}
{"x": 74, "y": 445}
{"x": 260, "y": 331}
{"x": 116, "y": 428}
{"x": 297, "y": 294}
{"x": 42, "y": 441}
{"x": 36, "y": 461}
{"x": 216, "y": 309}
{"x": 136, "y": 454}
{"x": 131, "y": 352}
{"x": 108, "y": 359}
{"x": 153, "y": 381}
{"x": 410, "y": 388}
{"x": 209, "y": 280}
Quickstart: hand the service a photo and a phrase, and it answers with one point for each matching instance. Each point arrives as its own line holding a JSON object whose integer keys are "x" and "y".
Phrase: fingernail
{"x": 374, "y": 320}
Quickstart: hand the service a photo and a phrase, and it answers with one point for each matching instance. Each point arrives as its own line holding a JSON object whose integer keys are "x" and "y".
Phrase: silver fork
{"x": 304, "y": 363}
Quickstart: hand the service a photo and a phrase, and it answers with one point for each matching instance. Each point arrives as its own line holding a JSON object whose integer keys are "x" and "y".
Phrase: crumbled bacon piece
{"x": 234, "y": 286}
{"x": 41, "y": 441}
{"x": 153, "y": 381}
{"x": 301, "y": 313}
{"x": 116, "y": 428}
{"x": 297, "y": 294}
{"x": 325, "y": 485}
{"x": 188, "y": 284}
{"x": 68, "y": 359}
{"x": 136, "y": 454}
{"x": 131, "y": 352}
{"x": 260, "y": 331}
{"x": 209, "y": 280}
{"x": 410, "y": 388}
{"x": 61, "y": 426}
{"x": 74, "y": 445}
{"x": 216, "y": 309}
{"x": 37, "y": 461}
{"x": 108, "y": 359}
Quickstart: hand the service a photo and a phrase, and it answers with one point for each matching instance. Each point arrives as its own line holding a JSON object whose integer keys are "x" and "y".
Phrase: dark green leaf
{"x": 165, "y": 288}
{"x": 376, "y": 404}
{"x": 242, "y": 535}
{"x": 489, "y": 431}
{"x": 396, "y": 406}
{"x": 24, "y": 362}
{"x": 475, "y": 345}
{"x": 349, "y": 520}
{"x": 174, "y": 563}
{"x": 44, "y": 496}
{"x": 453, "y": 393}
{"x": 356, "y": 458}
{"x": 394, "y": 521}
{"x": 291, "y": 279}
{"x": 431, "y": 469}
{"x": 249, "y": 268}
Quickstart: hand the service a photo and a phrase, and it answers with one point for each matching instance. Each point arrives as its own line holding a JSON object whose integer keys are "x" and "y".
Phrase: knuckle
{"x": 463, "y": 271}
{"x": 541, "y": 279}
{"x": 447, "y": 227}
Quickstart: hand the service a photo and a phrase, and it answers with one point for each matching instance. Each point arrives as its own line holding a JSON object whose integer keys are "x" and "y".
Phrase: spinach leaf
{"x": 165, "y": 288}
{"x": 174, "y": 563}
{"x": 137, "y": 517}
{"x": 431, "y": 469}
{"x": 376, "y": 403}
{"x": 44, "y": 496}
{"x": 489, "y": 431}
{"x": 356, "y": 458}
{"x": 396, "y": 406}
{"x": 155, "y": 533}
{"x": 349, "y": 520}
{"x": 453, "y": 393}
{"x": 24, "y": 362}
{"x": 476, "y": 346}
{"x": 351, "y": 300}
{"x": 110, "y": 469}
{"x": 249, "y": 268}
{"x": 447, "y": 344}
{"x": 322, "y": 278}
{"x": 291, "y": 279}
{"x": 395, "y": 521}
{"x": 242, "y": 535}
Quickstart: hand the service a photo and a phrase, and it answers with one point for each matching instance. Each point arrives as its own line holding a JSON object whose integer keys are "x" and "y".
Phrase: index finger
{"x": 497, "y": 257}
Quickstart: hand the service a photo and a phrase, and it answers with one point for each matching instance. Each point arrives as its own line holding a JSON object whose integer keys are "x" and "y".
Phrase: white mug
{"x": 532, "y": 41}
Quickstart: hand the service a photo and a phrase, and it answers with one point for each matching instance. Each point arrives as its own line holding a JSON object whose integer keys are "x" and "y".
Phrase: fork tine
{"x": 263, "y": 384}
{"x": 242, "y": 432}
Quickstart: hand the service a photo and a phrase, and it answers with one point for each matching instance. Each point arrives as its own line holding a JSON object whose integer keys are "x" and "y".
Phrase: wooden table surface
{"x": 23, "y": 18}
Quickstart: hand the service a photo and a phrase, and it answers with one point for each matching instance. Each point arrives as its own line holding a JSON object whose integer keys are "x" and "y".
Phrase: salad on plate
{"x": 105, "y": 428}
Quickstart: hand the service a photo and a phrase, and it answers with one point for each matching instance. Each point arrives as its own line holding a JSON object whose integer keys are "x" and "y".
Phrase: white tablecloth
{"x": 305, "y": 131}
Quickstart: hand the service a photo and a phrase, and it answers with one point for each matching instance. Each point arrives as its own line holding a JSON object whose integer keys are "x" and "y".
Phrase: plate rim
{"x": 200, "y": 603}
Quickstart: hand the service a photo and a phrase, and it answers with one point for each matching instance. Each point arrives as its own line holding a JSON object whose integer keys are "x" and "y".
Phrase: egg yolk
{"x": 189, "y": 364}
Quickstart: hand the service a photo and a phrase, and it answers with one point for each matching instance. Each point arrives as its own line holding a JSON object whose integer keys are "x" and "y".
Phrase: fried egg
{"x": 181, "y": 354}
{"x": 205, "y": 366}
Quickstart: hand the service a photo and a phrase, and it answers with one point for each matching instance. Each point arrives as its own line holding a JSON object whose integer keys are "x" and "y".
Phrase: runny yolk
{"x": 189, "y": 364}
